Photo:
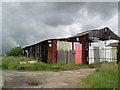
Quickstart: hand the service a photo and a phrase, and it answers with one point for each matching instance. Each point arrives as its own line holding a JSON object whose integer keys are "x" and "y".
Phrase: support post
{"x": 118, "y": 53}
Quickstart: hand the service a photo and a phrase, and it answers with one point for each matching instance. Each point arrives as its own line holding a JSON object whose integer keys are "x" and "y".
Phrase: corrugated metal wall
{"x": 49, "y": 55}
{"x": 63, "y": 46}
{"x": 84, "y": 40}
{"x": 98, "y": 54}
{"x": 54, "y": 51}
{"x": 114, "y": 53}
{"x": 65, "y": 53}
{"x": 108, "y": 54}
{"x": 91, "y": 55}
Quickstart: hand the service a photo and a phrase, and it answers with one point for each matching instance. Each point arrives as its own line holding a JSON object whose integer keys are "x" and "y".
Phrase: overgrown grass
{"x": 11, "y": 63}
{"x": 106, "y": 76}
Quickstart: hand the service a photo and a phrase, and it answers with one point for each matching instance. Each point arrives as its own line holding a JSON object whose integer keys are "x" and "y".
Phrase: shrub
{"x": 17, "y": 51}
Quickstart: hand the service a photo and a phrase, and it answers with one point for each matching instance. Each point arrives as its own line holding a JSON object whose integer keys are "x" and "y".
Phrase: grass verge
{"x": 106, "y": 76}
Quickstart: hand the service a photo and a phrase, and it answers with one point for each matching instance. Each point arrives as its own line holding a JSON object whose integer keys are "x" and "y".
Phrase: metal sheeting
{"x": 101, "y": 34}
{"x": 78, "y": 53}
{"x": 100, "y": 54}
{"x": 65, "y": 54}
{"x": 62, "y": 57}
{"x": 63, "y": 46}
{"x": 54, "y": 51}
{"x": 66, "y": 57}
{"x": 49, "y": 55}
{"x": 71, "y": 57}
{"x": 108, "y": 54}
{"x": 101, "y": 50}
{"x": 114, "y": 53}
{"x": 91, "y": 54}
{"x": 94, "y": 55}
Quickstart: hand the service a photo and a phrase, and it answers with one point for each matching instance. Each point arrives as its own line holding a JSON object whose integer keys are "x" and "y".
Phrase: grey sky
{"x": 28, "y": 23}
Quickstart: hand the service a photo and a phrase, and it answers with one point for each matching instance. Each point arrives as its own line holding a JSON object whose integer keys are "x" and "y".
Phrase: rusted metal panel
{"x": 49, "y": 55}
{"x": 102, "y": 34}
{"x": 30, "y": 51}
{"x": 54, "y": 51}
{"x": 85, "y": 48}
{"x": 33, "y": 51}
{"x": 44, "y": 51}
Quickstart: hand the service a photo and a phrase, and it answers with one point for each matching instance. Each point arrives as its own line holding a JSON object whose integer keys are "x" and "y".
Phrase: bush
{"x": 17, "y": 51}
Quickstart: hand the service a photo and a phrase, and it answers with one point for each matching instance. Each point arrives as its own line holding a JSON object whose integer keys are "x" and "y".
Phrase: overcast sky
{"x": 28, "y": 23}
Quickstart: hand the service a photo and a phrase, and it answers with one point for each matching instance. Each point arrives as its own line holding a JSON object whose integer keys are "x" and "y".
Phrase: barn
{"x": 71, "y": 50}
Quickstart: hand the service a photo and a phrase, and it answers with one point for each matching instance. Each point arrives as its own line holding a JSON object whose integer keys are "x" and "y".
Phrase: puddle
{"x": 33, "y": 83}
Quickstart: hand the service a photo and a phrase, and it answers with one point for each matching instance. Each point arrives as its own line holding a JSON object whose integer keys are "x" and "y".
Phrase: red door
{"x": 78, "y": 53}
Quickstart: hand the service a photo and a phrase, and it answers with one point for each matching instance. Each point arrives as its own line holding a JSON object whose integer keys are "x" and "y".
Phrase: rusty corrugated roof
{"x": 102, "y": 34}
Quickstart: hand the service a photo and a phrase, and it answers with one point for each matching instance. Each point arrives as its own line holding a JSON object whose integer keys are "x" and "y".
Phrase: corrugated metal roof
{"x": 98, "y": 33}
{"x": 81, "y": 34}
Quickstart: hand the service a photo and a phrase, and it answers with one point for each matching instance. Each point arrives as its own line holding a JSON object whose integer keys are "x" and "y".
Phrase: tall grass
{"x": 11, "y": 63}
{"x": 105, "y": 77}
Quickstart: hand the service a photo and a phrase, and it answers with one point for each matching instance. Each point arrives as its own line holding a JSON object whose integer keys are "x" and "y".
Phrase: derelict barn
{"x": 71, "y": 50}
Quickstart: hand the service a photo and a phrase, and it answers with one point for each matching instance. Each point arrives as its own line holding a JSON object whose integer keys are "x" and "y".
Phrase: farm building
{"x": 76, "y": 49}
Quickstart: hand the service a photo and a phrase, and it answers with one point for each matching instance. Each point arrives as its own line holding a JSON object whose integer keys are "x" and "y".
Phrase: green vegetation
{"x": 11, "y": 63}
{"x": 17, "y": 51}
{"x": 106, "y": 76}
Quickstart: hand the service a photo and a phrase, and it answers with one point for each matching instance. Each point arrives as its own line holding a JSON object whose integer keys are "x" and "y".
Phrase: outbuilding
{"x": 71, "y": 50}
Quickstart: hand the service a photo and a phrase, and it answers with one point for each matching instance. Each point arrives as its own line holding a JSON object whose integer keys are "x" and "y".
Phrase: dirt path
{"x": 45, "y": 79}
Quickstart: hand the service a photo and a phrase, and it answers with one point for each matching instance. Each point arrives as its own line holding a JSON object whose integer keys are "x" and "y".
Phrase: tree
{"x": 17, "y": 51}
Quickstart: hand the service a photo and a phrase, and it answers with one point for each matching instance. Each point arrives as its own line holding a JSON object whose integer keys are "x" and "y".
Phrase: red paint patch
{"x": 78, "y": 53}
